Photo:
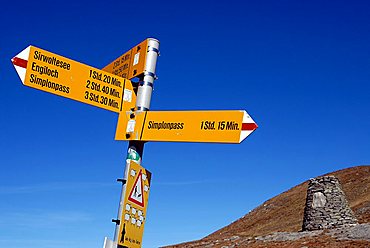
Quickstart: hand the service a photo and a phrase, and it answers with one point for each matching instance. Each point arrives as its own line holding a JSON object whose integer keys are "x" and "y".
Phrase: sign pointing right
{"x": 223, "y": 126}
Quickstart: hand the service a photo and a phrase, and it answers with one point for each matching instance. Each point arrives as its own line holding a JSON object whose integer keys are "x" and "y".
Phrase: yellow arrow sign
{"x": 61, "y": 76}
{"x": 231, "y": 126}
{"x": 131, "y": 64}
{"x": 135, "y": 203}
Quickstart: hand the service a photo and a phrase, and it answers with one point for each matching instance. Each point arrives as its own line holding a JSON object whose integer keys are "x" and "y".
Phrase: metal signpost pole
{"x": 144, "y": 94}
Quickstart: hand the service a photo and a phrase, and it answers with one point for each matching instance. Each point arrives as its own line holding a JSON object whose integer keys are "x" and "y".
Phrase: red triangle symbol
{"x": 137, "y": 193}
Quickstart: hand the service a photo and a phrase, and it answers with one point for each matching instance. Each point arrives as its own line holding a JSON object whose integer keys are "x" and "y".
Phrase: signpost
{"x": 228, "y": 126}
{"x": 111, "y": 89}
{"x": 136, "y": 148}
{"x": 61, "y": 76}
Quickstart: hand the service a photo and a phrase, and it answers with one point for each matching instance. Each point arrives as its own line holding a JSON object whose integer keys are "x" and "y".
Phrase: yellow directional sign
{"x": 135, "y": 203}
{"x": 61, "y": 76}
{"x": 231, "y": 126}
{"x": 131, "y": 64}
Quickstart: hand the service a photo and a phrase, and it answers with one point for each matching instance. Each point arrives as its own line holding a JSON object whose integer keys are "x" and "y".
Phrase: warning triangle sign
{"x": 137, "y": 195}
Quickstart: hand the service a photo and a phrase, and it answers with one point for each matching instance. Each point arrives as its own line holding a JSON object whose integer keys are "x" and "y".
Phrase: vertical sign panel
{"x": 135, "y": 204}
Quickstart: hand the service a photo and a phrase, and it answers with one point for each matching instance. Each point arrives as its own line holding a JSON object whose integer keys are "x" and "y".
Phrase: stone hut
{"x": 326, "y": 205}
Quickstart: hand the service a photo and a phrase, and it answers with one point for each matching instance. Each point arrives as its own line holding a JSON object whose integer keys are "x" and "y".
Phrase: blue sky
{"x": 301, "y": 70}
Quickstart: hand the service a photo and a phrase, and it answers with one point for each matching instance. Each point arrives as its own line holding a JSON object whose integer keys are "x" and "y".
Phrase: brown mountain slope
{"x": 284, "y": 213}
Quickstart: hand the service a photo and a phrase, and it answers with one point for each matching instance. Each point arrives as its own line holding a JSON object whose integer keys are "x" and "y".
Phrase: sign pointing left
{"x": 61, "y": 76}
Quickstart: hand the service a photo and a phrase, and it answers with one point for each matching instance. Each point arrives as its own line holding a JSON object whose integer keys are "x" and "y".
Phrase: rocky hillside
{"x": 284, "y": 214}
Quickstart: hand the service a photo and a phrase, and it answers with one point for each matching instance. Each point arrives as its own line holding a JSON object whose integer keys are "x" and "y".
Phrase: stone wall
{"x": 326, "y": 205}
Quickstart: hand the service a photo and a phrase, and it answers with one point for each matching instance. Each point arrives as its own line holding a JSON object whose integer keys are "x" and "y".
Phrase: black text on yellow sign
{"x": 224, "y": 126}
{"x": 131, "y": 64}
{"x": 135, "y": 204}
{"x": 65, "y": 77}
